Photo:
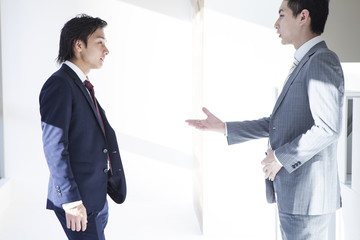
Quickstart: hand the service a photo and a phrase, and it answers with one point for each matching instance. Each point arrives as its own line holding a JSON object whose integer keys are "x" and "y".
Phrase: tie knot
{"x": 296, "y": 62}
{"x": 88, "y": 85}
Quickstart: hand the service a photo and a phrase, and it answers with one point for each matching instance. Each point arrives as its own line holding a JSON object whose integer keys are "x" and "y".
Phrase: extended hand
{"x": 211, "y": 123}
{"x": 272, "y": 167}
{"x": 76, "y": 218}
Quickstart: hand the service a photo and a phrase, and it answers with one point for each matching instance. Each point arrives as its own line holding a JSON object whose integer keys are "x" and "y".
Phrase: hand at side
{"x": 76, "y": 218}
{"x": 271, "y": 166}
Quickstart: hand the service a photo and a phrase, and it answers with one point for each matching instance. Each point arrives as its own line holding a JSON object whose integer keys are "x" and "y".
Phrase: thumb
{"x": 207, "y": 112}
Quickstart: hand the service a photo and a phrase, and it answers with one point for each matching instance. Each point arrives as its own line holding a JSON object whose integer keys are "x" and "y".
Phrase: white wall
{"x": 144, "y": 87}
{"x": 244, "y": 63}
{"x": 340, "y": 30}
{"x": 1, "y": 114}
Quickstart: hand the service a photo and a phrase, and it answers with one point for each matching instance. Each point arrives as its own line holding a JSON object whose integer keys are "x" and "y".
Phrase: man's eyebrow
{"x": 101, "y": 37}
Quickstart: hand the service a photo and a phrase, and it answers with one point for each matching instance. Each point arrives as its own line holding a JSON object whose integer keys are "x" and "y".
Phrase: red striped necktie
{"x": 90, "y": 87}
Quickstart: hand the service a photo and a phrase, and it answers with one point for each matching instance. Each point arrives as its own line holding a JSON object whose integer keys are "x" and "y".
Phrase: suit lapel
{"x": 289, "y": 83}
{"x": 295, "y": 73}
{"x": 84, "y": 91}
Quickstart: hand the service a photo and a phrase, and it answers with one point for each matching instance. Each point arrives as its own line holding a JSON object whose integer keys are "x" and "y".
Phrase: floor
{"x": 158, "y": 206}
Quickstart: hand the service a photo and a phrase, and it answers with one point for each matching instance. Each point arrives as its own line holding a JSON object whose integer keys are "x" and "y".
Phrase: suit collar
{"x": 294, "y": 74}
{"x": 77, "y": 70}
{"x": 301, "y": 52}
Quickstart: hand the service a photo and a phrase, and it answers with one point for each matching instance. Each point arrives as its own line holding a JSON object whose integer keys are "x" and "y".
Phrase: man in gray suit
{"x": 300, "y": 165}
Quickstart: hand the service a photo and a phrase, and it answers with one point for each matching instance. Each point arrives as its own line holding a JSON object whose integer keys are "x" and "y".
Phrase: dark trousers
{"x": 95, "y": 227}
{"x": 305, "y": 227}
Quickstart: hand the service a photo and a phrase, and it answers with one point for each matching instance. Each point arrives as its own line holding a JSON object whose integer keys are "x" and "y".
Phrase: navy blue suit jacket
{"x": 76, "y": 147}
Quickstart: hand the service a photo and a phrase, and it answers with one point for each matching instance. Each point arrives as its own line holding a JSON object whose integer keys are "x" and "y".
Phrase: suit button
{"x": 106, "y": 170}
{"x": 293, "y": 166}
{"x": 105, "y": 150}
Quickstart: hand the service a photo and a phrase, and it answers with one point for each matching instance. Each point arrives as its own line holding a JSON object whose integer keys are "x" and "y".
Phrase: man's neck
{"x": 80, "y": 65}
{"x": 305, "y": 39}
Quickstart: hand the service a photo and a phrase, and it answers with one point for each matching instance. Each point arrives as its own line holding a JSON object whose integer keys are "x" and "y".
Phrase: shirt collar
{"x": 300, "y": 53}
{"x": 77, "y": 70}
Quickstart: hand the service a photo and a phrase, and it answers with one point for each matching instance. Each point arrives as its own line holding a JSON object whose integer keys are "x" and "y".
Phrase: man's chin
{"x": 283, "y": 42}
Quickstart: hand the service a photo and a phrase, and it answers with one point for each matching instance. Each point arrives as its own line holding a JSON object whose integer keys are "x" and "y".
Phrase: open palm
{"x": 211, "y": 123}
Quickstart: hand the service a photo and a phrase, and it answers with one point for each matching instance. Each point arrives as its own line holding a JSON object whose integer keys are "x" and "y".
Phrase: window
{"x": 349, "y": 141}
{"x": 351, "y": 138}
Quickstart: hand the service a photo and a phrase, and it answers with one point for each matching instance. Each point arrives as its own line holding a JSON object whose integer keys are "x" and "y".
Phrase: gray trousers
{"x": 305, "y": 227}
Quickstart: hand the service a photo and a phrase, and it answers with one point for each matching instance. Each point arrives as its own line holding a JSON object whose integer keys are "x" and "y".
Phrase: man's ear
{"x": 78, "y": 45}
{"x": 304, "y": 17}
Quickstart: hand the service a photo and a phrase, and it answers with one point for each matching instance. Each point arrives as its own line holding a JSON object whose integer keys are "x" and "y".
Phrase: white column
{"x": 356, "y": 145}
{"x": 197, "y": 77}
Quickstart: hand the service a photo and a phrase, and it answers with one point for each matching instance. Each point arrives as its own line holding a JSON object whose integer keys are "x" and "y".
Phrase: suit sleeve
{"x": 239, "y": 132}
{"x": 325, "y": 92}
{"x": 56, "y": 110}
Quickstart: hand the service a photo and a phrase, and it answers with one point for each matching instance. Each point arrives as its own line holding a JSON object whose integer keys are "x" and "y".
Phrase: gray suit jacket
{"x": 303, "y": 129}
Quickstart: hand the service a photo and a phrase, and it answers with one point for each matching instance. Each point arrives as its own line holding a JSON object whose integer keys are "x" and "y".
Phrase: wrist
{"x": 224, "y": 129}
{"x": 277, "y": 160}
{"x": 67, "y": 206}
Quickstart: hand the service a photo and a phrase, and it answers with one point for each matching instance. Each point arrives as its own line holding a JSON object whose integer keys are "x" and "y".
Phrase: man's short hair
{"x": 78, "y": 28}
{"x": 318, "y": 9}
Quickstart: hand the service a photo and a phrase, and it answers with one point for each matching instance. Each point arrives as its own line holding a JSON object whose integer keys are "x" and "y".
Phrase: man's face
{"x": 93, "y": 55}
{"x": 286, "y": 25}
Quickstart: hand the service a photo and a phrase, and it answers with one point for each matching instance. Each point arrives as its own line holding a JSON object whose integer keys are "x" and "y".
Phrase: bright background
{"x": 146, "y": 88}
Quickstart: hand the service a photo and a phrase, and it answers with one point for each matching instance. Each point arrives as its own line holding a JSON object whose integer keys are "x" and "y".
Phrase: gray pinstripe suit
{"x": 303, "y": 130}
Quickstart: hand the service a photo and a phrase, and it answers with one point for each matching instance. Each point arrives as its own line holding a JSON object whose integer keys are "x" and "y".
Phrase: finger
{"x": 78, "y": 225}
{"x": 207, "y": 112}
{"x": 194, "y": 123}
{"x": 84, "y": 221}
{"x": 84, "y": 225}
{"x": 73, "y": 225}
{"x": 271, "y": 177}
{"x": 68, "y": 222}
{"x": 190, "y": 121}
{"x": 266, "y": 171}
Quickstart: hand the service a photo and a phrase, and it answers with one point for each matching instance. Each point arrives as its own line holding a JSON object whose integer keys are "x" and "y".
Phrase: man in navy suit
{"x": 300, "y": 166}
{"x": 79, "y": 144}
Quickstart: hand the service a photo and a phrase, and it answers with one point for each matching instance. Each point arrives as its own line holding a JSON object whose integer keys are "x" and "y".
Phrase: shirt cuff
{"x": 226, "y": 132}
{"x": 67, "y": 206}
{"x": 277, "y": 160}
